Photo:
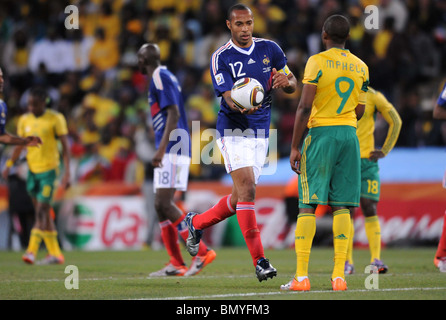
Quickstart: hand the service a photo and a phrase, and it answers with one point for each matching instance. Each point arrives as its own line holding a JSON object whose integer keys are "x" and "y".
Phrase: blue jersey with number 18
{"x": 165, "y": 91}
{"x": 231, "y": 63}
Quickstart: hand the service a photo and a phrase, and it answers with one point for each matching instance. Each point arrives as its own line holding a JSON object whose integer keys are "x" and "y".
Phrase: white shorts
{"x": 239, "y": 152}
{"x": 174, "y": 173}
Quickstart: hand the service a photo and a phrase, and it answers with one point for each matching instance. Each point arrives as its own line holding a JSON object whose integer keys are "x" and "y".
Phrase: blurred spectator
{"x": 109, "y": 21}
{"x": 15, "y": 60}
{"x": 53, "y": 54}
{"x": 395, "y": 9}
{"x": 104, "y": 53}
{"x": 80, "y": 50}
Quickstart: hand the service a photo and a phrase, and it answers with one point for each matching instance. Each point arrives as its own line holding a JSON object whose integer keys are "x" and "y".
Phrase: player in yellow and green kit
{"x": 370, "y": 182}
{"x": 333, "y": 99}
{"x": 43, "y": 166}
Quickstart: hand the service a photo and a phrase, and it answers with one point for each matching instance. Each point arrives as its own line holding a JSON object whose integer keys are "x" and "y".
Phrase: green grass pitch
{"x": 123, "y": 275}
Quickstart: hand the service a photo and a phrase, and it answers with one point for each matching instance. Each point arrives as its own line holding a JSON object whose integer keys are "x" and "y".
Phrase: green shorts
{"x": 41, "y": 185}
{"x": 370, "y": 182}
{"x": 330, "y": 168}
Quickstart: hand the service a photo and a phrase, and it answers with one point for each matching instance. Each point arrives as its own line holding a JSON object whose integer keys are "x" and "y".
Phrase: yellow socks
{"x": 304, "y": 234}
{"x": 350, "y": 244}
{"x": 34, "y": 241}
{"x": 373, "y": 232}
{"x": 51, "y": 243}
{"x": 341, "y": 235}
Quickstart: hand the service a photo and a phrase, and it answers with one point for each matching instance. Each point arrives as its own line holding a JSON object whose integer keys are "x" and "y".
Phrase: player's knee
{"x": 161, "y": 207}
{"x": 247, "y": 193}
{"x": 368, "y": 207}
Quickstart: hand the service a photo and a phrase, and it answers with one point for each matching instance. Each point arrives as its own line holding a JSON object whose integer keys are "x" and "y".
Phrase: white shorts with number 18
{"x": 174, "y": 172}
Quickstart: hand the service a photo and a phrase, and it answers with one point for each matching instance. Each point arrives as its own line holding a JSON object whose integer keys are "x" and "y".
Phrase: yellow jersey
{"x": 376, "y": 102}
{"x": 50, "y": 125}
{"x": 342, "y": 82}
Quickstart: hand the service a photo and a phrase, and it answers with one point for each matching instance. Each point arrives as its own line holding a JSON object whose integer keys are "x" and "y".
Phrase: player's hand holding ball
{"x": 247, "y": 95}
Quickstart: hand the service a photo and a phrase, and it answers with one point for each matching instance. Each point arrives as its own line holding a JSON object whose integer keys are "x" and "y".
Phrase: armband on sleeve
{"x": 285, "y": 70}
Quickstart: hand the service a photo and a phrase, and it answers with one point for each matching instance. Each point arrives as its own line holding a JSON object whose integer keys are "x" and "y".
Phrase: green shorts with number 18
{"x": 370, "y": 183}
{"x": 41, "y": 185}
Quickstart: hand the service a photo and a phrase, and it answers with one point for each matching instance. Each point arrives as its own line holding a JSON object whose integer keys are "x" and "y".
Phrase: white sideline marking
{"x": 250, "y": 294}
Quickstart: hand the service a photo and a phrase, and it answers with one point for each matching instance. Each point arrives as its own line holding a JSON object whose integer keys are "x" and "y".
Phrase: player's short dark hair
{"x": 338, "y": 28}
{"x": 238, "y": 6}
{"x": 39, "y": 92}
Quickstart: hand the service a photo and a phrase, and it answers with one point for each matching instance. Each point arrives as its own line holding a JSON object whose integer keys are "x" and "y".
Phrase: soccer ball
{"x": 247, "y": 93}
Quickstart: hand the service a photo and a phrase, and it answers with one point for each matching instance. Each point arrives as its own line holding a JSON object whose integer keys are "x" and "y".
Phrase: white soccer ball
{"x": 247, "y": 93}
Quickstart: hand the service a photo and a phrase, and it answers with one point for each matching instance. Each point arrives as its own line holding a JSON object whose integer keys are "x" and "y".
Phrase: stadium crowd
{"x": 92, "y": 77}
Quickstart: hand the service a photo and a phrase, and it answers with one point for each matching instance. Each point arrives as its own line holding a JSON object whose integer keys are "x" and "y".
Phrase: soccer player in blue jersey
{"x": 171, "y": 160}
{"x": 440, "y": 255}
{"x": 243, "y": 134}
{"x": 7, "y": 138}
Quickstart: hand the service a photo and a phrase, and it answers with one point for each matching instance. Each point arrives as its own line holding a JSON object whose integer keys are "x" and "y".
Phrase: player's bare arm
{"x": 288, "y": 83}
{"x": 65, "y": 182}
{"x": 439, "y": 112}
{"x": 360, "y": 108}
{"x": 14, "y": 157}
{"x": 227, "y": 96}
{"x": 173, "y": 114}
{"x": 30, "y": 141}
{"x": 300, "y": 124}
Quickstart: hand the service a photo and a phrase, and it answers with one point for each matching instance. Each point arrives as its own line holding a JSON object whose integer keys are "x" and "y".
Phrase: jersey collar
{"x": 247, "y": 52}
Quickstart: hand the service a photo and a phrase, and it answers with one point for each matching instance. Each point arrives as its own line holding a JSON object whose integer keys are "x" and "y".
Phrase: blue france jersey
{"x": 442, "y": 98}
{"x": 165, "y": 91}
{"x": 3, "y": 113}
{"x": 231, "y": 63}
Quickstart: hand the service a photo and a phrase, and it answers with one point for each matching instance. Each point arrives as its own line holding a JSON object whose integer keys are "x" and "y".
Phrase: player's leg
{"x": 373, "y": 233}
{"x": 370, "y": 193}
{"x": 440, "y": 255}
{"x": 341, "y": 235}
{"x": 304, "y": 235}
{"x": 349, "y": 267}
{"x": 244, "y": 181}
{"x": 220, "y": 211}
{"x": 168, "y": 213}
{"x": 311, "y": 192}
{"x": 345, "y": 190}
{"x": 47, "y": 221}
{"x": 36, "y": 235}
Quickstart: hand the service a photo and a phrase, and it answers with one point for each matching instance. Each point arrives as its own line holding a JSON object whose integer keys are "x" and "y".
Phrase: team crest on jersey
{"x": 266, "y": 60}
{"x": 219, "y": 79}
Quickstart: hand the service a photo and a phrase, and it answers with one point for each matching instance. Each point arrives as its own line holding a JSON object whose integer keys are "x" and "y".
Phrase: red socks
{"x": 441, "y": 249}
{"x": 248, "y": 225}
{"x": 169, "y": 234}
{"x": 217, "y": 213}
{"x": 246, "y": 218}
